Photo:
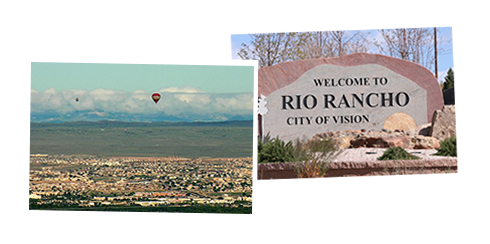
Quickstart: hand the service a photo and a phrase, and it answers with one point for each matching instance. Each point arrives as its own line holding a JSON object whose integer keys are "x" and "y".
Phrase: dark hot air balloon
{"x": 155, "y": 97}
{"x": 76, "y": 99}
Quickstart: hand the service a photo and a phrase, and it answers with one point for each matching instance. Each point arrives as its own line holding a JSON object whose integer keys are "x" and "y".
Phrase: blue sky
{"x": 123, "y": 92}
{"x": 147, "y": 77}
{"x": 445, "y": 57}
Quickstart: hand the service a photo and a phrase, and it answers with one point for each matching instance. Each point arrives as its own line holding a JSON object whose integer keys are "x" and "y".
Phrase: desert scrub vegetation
{"x": 314, "y": 157}
{"x": 448, "y": 148}
{"x": 396, "y": 153}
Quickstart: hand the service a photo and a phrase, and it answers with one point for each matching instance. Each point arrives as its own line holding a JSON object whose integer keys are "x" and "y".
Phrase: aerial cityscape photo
{"x": 141, "y": 138}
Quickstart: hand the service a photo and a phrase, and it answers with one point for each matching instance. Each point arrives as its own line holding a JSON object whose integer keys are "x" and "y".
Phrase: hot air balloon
{"x": 76, "y": 99}
{"x": 155, "y": 97}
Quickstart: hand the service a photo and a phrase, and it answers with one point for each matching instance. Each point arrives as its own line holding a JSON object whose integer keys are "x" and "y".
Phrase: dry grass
{"x": 314, "y": 157}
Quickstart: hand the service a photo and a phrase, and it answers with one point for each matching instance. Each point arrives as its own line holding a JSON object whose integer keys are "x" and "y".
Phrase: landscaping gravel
{"x": 371, "y": 154}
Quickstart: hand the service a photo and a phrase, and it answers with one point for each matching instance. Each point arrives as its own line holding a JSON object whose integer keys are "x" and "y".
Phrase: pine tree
{"x": 448, "y": 80}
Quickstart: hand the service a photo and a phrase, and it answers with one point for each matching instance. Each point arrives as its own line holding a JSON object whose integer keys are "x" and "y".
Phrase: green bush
{"x": 396, "y": 153}
{"x": 275, "y": 151}
{"x": 448, "y": 148}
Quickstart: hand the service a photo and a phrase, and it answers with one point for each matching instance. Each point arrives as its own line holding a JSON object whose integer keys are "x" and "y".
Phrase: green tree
{"x": 448, "y": 80}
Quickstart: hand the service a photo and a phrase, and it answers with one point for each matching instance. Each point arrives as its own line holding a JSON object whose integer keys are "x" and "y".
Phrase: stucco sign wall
{"x": 332, "y": 97}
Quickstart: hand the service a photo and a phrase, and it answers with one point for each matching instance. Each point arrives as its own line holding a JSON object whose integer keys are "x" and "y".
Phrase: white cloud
{"x": 50, "y": 91}
{"x": 184, "y": 89}
{"x": 182, "y": 102}
{"x": 238, "y": 102}
{"x": 105, "y": 94}
{"x": 140, "y": 95}
{"x": 441, "y": 75}
{"x": 193, "y": 98}
{"x": 61, "y": 102}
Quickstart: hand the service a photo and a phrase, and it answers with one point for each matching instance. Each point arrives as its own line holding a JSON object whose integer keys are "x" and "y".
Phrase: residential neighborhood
{"x": 88, "y": 181}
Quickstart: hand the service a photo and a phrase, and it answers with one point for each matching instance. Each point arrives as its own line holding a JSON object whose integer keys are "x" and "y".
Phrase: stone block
{"x": 444, "y": 123}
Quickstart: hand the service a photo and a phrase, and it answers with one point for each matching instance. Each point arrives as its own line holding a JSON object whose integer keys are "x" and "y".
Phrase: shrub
{"x": 448, "y": 148}
{"x": 275, "y": 151}
{"x": 396, "y": 153}
{"x": 314, "y": 157}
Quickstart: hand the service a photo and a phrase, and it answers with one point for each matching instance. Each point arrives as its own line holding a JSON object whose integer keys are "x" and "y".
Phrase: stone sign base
{"x": 371, "y": 168}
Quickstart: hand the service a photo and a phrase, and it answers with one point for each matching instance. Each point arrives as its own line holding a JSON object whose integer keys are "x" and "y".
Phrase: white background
{"x": 391, "y": 209}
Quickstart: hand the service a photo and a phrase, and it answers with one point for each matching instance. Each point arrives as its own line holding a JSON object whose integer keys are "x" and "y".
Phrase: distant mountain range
{"x": 94, "y": 116}
{"x": 115, "y": 123}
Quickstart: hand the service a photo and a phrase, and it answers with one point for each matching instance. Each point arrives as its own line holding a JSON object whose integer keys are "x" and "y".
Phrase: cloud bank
{"x": 176, "y": 104}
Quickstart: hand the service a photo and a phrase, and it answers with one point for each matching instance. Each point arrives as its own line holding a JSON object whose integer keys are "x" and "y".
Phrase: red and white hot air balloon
{"x": 156, "y": 97}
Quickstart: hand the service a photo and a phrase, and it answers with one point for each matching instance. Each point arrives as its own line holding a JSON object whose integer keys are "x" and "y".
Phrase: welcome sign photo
{"x": 375, "y": 107}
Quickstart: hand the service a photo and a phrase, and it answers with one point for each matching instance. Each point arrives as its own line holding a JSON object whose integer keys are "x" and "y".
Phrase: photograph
{"x": 244, "y": 122}
{"x": 353, "y": 103}
{"x": 141, "y": 137}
